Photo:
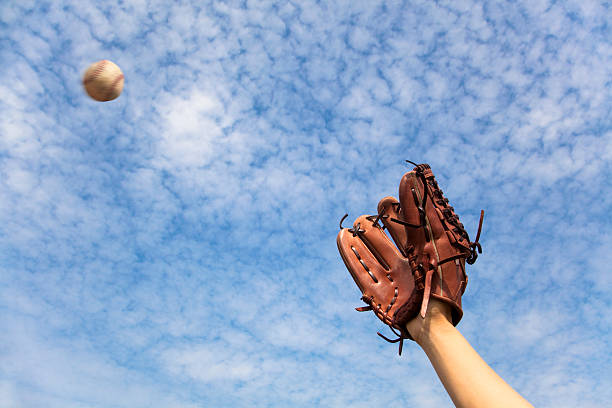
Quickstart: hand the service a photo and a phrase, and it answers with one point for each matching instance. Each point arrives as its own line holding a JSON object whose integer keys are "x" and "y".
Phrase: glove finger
{"x": 378, "y": 243}
{"x": 379, "y": 270}
{"x": 388, "y": 210}
{"x": 361, "y": 250}
{"x": 412, "y": 192}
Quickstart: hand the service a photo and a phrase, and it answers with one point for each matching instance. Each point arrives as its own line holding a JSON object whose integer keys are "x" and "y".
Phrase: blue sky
{"x": 176, "y": 247}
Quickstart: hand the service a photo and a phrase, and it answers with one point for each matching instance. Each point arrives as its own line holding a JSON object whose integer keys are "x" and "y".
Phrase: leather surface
{"x": 378, "y": 268}
{"x": 424, "y": 258}
{"x": 445, "y": 237}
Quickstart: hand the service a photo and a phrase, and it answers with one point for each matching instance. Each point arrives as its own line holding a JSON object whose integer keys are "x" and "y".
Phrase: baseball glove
{"x": 427, "y": 257}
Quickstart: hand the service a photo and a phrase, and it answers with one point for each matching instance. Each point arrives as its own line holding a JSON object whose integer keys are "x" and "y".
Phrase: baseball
{"x": 103, "y": 81}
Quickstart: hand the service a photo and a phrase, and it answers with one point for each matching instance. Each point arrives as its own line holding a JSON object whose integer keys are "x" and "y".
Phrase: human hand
{"x": 437, "y": 317}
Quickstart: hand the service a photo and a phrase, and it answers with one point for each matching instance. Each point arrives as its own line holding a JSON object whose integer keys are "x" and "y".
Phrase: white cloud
{"x": 206, "y": 363}
{"x": 177, "y": 245}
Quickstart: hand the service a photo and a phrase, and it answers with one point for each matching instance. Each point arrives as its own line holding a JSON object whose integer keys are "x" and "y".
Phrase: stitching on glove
{"x": 428, "y": 261}
{"x": 363, "y": 264}
{"x": 374, "y": 251}
{"x": 392, "y": 300}
{"x": 377, "y": 218}
{"x": 476, "y": 245}
{"x": 356, "y": 230}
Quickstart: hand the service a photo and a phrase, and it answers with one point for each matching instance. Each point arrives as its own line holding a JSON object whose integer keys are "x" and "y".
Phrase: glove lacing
{"x": 422, "y": 278}
{"x": 452, "y": 219}
{"x": 447, "y": 211}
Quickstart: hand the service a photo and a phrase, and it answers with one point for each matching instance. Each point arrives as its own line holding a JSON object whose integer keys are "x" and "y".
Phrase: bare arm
{"x": 469, "y": 381}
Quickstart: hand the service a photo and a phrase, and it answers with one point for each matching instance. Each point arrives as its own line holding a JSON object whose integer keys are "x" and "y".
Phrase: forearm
{"x": 468, "y": 379}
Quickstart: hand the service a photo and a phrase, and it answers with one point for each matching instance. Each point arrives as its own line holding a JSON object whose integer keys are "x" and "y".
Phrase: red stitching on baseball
{"x": 96, "y": 72}
{"x": 111, "y": 89}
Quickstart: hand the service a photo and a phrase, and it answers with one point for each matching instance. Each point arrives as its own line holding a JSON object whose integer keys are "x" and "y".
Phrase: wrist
{"x": 437, "y": 319}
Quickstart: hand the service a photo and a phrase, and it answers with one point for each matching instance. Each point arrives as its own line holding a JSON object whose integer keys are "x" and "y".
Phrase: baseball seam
{"x": 96, "y": 72}
{"x": 111, "y": 89}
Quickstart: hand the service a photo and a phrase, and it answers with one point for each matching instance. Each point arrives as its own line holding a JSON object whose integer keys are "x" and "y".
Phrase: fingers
{"x": 367, "y": 251}
{"x": 389, "y": 210}
{"x": 365, "y": 270}
{"x": 378, "y": 268}
{"x": 377, "y": 242}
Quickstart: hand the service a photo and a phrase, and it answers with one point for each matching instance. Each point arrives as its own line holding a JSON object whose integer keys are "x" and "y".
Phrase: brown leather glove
{"x": 428, "y": 257}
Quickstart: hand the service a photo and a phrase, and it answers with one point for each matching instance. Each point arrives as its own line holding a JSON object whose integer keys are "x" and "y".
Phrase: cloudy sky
{"x": 176, "y": 247}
